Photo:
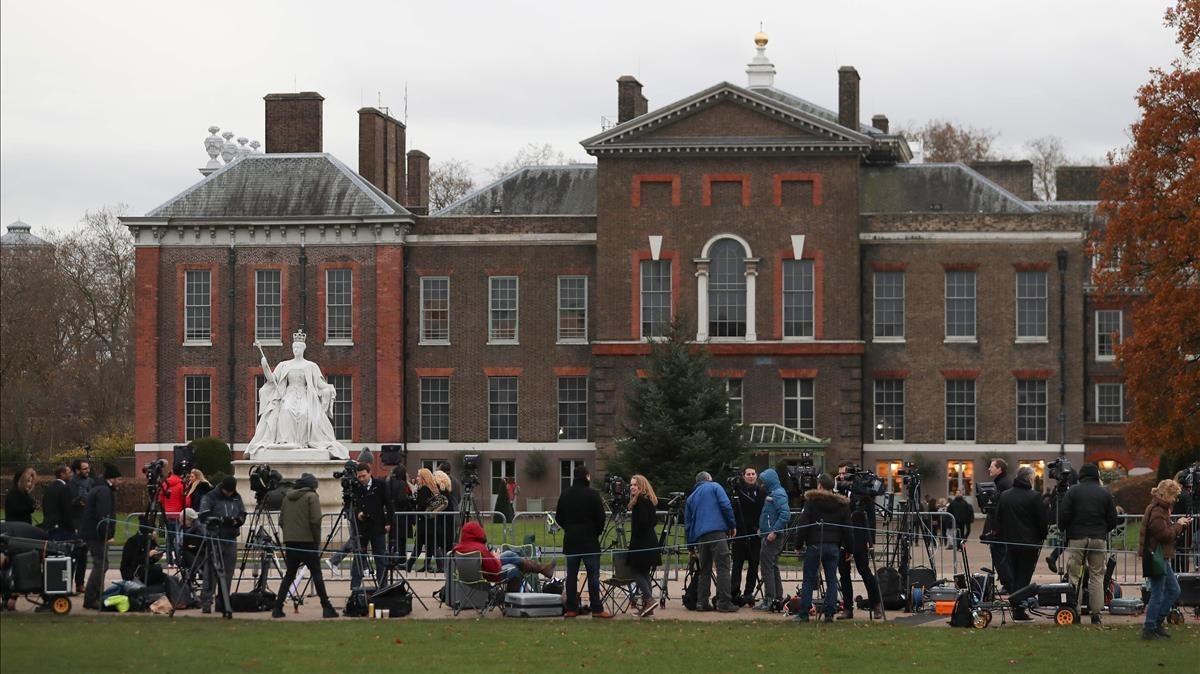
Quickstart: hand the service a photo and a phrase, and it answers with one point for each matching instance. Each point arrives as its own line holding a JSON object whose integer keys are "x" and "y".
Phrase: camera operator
{"x": 1086, "y": 514}
{"x": 772, "y": 524}
{"x": 748, "y": 507}
{"x": 225, "y": 511}
{"x": 79, "y": 486}
{"x": 173, "y": 498}
{"x": 134, "y": 556}
{"x": 1022, "y": 522}
{"x": 823, "y": 528}
{"x": 99, "y": 526}
{"x": 373, "y": 513}
{"x": 998, "y": 470}
{"x": 581, "y": 515}
{"x": 708, "y": 518}
{"x": 858, "y": 542}
{"x": 300, "y": 526}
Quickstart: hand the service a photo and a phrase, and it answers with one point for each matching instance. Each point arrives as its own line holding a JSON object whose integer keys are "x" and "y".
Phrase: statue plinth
{"x": 291, "y": 467}
{"x": 273, "y": 454}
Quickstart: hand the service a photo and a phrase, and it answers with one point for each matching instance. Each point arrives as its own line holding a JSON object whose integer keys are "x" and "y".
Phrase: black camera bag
{"x": 356, "y": 604}
{"x": 254, "y": 601}
{"x": 690, "y": 587}
{"x": 962, "y": 616}
{"x": 396, "y": 598}
{"x": 889, "y": 588}
{"x": 26, "y": 572}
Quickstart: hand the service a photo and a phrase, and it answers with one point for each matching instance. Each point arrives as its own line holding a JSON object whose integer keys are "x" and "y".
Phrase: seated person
{"x": 133, "y": 557}
{"x": 510, "y": 566}
{"x": 192, "y": 533}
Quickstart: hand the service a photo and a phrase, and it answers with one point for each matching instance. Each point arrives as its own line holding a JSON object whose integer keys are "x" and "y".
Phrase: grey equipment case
{"x": 532, "y": 605}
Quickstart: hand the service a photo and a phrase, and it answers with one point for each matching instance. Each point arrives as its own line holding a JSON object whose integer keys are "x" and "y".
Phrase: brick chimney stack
{"x": 381, "y": 145}
{"x": 418, "y": 183}
{"x": 848, "y": 97}
{"x": 630, "y": 101}
{"x": 294, "y": 122}
{"x": 880, "y": 122}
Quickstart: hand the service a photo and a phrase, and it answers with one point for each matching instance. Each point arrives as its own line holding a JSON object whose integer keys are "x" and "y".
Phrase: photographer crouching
{"x": 861, "y": 487}
{"x": 223, "y": 513}
{"x": 373, "y": 515}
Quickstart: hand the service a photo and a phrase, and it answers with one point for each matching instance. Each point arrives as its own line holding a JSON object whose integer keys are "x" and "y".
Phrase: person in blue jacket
{"x": 708, "y": 517}
{"x": 772, "y": 526}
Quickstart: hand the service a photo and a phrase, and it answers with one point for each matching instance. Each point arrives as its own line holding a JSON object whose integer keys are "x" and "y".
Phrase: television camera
{"x": 618, "y": 492}
{"x": 264, "y": 479}
{"x": 1062, "y": 473}
{"x": 804, "y": 473}
{"x": 860, "y": 484}
{"x": 470, "y": 477}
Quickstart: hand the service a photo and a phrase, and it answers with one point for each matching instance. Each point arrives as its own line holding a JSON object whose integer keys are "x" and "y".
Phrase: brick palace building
{"x": 855, "y": 303}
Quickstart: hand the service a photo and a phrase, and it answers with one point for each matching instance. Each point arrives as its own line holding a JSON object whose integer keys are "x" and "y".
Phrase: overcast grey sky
{"x": 107, "y": 102}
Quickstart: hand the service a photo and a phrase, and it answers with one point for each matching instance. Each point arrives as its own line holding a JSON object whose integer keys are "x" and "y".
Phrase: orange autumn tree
{"x": 1151, "y": 248}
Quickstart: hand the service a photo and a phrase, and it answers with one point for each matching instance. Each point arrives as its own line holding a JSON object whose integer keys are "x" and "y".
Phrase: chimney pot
{"x": 630, "y": 101}
{"x": 418, "y": 182}
{"x": 848, "y": 97}
{"x": 294, "y": 122}
{"x": 880, "y": 122}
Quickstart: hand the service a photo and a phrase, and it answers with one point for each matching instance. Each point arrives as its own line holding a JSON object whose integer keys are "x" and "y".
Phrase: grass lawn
{"x": 128, "y": 643}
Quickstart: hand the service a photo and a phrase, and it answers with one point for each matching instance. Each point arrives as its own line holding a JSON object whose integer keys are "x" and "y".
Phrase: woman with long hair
{"x": 444, "y": 534}
{"x": 197, "y": 487}
{"x": 19, "y": 504}
{"x": 643, "y": 556}
{"x": 1158, "y": 536}
{"x": 426, "y": 489}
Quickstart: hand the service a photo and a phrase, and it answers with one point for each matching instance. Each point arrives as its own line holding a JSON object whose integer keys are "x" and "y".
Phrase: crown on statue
{"x": 299, "y": 336}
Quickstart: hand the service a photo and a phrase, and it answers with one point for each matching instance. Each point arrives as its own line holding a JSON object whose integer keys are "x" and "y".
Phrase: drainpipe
{"x": 303, "y": 289}
{"x": 1062, "y": 353}
{"x": 232, "y": 294}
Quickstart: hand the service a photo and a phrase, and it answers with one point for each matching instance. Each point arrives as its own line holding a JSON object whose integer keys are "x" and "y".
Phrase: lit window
{"x": 889, "y": 305}
{"x": 197, "y": 306}
{"x": 797, "y": 298}
{"x": 1108, "y": 333}
{"x": 572, "y": 308}
{"x": 960, "y": 410}
{"x": 960, "y": 478}
{"x": 889, "y": 471}
{"x": 268, "y": 305}
{"x": 1031, "y": 410}
{"x": 435, "y": 310}
{"x": 1039, "y": 471}
{"x": 960, "y": 305}
{"x": 338, "y": 296}
{"x": 1031, "y": 305}
{"x": 798, "y": 405}
{"x": 502, "y": 309}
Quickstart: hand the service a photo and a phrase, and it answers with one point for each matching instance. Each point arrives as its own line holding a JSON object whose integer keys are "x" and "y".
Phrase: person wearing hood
{"x": 1086, "y": 515}
{"x": 510, "y": 567}
{"x": 1022, "y": 521}
{"x": 823, "y": 524}
{"x": 748, "y": 498}
{"x": 300, "y": 526}
{"x": 772, "y": 527}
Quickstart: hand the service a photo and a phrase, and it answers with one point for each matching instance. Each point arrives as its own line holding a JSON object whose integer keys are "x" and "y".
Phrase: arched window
{"x": 727, "y": 289}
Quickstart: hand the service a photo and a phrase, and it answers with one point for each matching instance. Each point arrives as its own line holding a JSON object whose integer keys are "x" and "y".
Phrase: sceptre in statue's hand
{"x": 265, "y": 365}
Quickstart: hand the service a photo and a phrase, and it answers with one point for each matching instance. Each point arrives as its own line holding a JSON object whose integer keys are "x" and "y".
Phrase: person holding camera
{"x": 748, "y": 500}
{"x": 140, "y": 548}
{"x": 373, "y": 514}
{"x": 998, "y": 471}
{"x": 1022, "y": 522}
{"x": 99, "y": 526}
{"x": 773, "y": 519}
{"x": 1156, "y": 548}
{"x": 823, "y": 527}
{"x": 581, "y": 515}
{"x": 709, "y": 522}
{"x": 1086, "y": 515}
{"x": 300, "y": 526}
{"x": 859, "y": 540}
{"x": 225, "y": 515}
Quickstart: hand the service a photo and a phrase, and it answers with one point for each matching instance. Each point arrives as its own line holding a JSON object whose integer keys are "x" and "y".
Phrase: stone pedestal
{"x": 291, "y": 468}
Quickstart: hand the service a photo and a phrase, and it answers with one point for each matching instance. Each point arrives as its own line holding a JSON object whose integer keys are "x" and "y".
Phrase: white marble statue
{"x": 294, "y": 407}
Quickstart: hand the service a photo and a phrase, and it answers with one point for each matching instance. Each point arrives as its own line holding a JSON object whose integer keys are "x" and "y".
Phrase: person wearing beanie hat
{"x": 224, "y": 505}
{"x": 98, "y": 528}
{"x": 1086, "y": 515}
{"x": 111, "y": 472}
{"x": 300, "y": 525}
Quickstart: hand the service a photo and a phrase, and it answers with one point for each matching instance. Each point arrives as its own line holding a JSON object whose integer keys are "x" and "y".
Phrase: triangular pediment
{"x": 726, "y": 117}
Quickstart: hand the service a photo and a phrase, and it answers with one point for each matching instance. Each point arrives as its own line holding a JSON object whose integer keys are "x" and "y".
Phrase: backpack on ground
{"x": 962, "y": 615}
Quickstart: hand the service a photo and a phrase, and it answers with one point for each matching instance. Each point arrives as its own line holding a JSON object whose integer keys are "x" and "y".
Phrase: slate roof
{"x": 811, "y": 108}
{"x": 923, "y": 188}
{"x": 533, "y": 190}
{"x": 281, "y": 185}
{"x": 18, "y": 235}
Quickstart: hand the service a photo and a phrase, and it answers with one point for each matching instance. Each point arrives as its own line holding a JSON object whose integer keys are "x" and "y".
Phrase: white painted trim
{"x": 737, "y": 340}
{"x": 728, "y": 235}
{"x": 970, "y": 237}
{"x": 797, "y": 246}
{"x": 535, "y": 239}
{"x": 501, "y": 446}
{"x": 421, "y": 311}
{"x": 985, "y": 449}
{"x": 559, "y": 339}
{"x": 517, "y": 308}
{"x": 1096, "y": 334}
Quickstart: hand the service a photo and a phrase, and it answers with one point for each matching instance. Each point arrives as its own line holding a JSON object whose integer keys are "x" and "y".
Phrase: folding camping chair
{"x": 472, "y": 585}
{"x": 619, "y": 589}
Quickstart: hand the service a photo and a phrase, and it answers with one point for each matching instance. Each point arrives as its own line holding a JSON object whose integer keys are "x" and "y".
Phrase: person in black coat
{"x": 98, "y": 528}
{"x": 19, "y": 505}
{"x": 1022, "y": 522}
{"x": 373, "y": 514}
{"x": 644, "y": 554}
{"x": 1086, "y": 515}
{"x": 582, "y": 517}
{"x": 401, "y": 494}
{"x": 998, "y": 471}
{"x": 748, "y": 500}
{"x": 133, "y": 557}
{"x": 824, "y": 531}
{"x": 81, "y": 483}
{"x": 964, "y": 515}
{"x": 57, "y": 518}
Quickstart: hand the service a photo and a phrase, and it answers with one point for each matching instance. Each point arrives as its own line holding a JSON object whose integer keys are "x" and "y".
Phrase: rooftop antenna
{"x": 295, "y": 87}
{"x": 406, "y": 103}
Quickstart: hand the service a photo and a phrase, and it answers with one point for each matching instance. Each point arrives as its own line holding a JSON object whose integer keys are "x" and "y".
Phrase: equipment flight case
{"x": 532, "y": 605}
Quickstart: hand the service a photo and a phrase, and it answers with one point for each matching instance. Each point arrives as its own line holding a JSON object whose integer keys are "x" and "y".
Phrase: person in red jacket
{"x": 509, "y": 566}
{"x": 172, "y": 495}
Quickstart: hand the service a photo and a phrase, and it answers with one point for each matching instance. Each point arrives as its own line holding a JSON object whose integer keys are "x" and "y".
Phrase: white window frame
{"x": 342, "y": 401}
{"x": 277, "y": 340}
{"x": 741, "y": 397}
{"x": 187, "y": 417}
{"x": 558, "y": 408}
{"x": 642, "y": 291}
{"x": 812, "y": 299}
{"x": 560, "y": 309}
{"x": 572, "y": 465}
{"x": 421, "y": 408}
{"x": 187, "y": 307}
{"x": 799, "y": 398}
{"x": 875, "y": 405}
{"x": 517, "y": 412}
{"x": 1102, "y": 358}
{"x": 422, "y": 340}
{"x": 974, "y": 336}
{"x": 1017, "y": 299}
{"x": 339, "y": 341}
{"x": 1120, "y": 403}
{"x": 1045, "y": 410}
{"x": 974, "y": 411}
{"x": 875, "y": 336}
{"x": 516, "y": 338}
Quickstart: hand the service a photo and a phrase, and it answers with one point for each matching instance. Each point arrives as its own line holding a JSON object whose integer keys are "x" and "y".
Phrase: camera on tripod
{"x": 860, "y": 484}
{"x": 804, "y": 473}
{"x": 263, "y": 480}
{"x": 1190, "y": 478}
{"x": 348, "y": 476}
{"x": 470, "y": 477}
{"x": 618, "y": 492}
{"x": 154, "y": 470}
{"x": 910, "y": 475}
{"x": 986, "y": 496}
{"x": 733, "y": 476}
{"x": 1062, "y": 473}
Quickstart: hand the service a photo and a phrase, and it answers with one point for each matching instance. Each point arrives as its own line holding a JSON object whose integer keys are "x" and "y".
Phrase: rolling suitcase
{"x": 532, "y": 605}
